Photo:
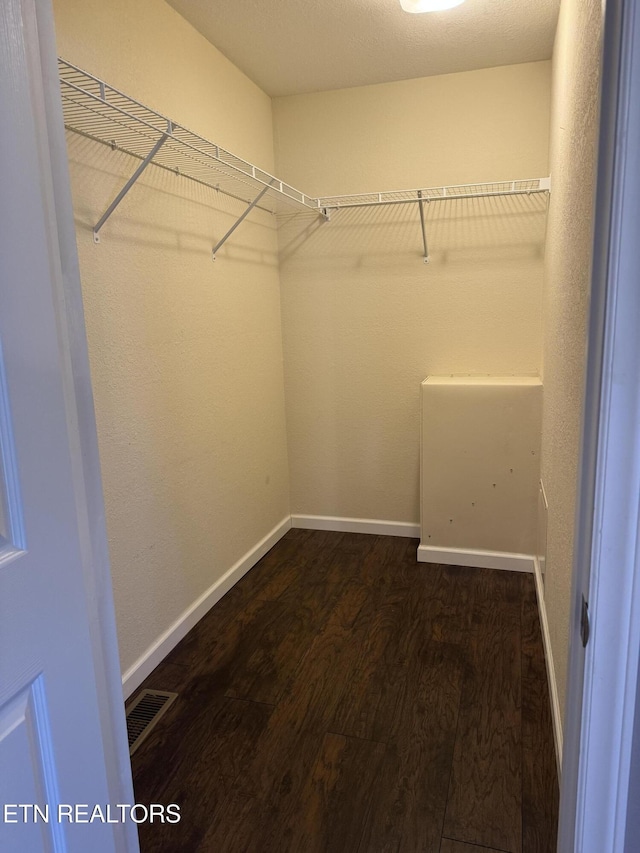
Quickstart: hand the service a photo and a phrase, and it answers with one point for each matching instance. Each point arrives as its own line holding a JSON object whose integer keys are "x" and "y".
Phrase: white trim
{"x": 544, "y": 496}
{"x": 156, "y": 653}
{"x": 556, "y": 715}
{"x": 476, "y": 559}
{"x": 356, "y": 525}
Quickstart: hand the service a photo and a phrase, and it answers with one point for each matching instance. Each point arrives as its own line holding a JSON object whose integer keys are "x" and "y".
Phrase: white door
{"x": 61, "y": 741}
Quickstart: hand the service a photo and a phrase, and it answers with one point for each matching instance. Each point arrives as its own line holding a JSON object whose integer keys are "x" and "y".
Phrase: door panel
{"x": 53, "y": 708}
{"x": 25, "y": 746}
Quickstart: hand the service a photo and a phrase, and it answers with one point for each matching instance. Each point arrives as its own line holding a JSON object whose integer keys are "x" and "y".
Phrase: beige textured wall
{"x": 186, "y": 355}
{"x": 576, "y": 74}
{"x": 364, "y": 320}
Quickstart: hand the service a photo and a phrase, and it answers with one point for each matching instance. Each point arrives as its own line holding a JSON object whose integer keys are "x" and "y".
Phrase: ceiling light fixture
{"x": 428, "y": 5}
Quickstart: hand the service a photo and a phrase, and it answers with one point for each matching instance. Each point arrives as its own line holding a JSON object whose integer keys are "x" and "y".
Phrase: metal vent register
{"x": 144, "y": 712}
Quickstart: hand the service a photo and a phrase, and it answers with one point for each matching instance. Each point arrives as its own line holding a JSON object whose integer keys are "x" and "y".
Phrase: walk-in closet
{"x": 335, "y": 263}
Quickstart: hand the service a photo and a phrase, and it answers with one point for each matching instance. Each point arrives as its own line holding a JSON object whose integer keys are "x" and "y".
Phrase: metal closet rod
{"x": 96, "y": 110}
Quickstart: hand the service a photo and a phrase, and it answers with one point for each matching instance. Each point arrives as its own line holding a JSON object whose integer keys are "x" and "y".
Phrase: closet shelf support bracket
{"x": 125, "y": 189}
{"x": 424, "y": 230}
{"x": 240, "y": 219}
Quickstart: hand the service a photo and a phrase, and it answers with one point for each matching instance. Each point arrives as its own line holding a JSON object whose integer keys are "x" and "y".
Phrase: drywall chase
{"x": 480, "y": 470}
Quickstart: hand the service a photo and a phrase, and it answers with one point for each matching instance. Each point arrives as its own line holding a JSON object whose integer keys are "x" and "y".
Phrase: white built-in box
{"x": 480, "y": 470}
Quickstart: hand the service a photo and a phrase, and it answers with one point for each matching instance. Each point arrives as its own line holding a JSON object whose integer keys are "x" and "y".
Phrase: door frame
{"x": 39, "y": 36}
{"x": 601, "y": 698}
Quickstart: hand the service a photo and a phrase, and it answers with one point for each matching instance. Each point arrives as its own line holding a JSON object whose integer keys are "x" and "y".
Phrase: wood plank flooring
{"x": 343, "y": 698}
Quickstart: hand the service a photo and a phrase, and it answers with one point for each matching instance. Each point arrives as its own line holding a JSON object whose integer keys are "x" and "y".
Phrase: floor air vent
{"x": 143, "y": 714}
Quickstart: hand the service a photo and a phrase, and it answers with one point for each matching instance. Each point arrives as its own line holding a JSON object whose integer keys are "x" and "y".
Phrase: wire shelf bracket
{"x": 422, "y": 225}
{"x": 243, "y": 216}
{"x": 99, "y": 112}
{"x": 125, "y": 189}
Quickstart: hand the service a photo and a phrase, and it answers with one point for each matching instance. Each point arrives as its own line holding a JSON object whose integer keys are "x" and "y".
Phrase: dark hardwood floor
{"x": 343, "y": 698}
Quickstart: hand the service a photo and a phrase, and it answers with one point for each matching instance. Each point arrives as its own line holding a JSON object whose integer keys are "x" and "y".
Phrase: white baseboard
{"x": 356, "y": 525}
{"x": 477, "y": 559}
{"x": 147, "y": 662}
{"x": 551, "y": 672}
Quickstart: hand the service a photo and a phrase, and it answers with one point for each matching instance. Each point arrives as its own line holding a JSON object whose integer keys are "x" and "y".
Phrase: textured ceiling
{"x": 294, "y": 46}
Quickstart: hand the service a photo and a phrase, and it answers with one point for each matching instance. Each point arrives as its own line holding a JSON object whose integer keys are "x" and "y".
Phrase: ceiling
{"x": 294, "y": 46}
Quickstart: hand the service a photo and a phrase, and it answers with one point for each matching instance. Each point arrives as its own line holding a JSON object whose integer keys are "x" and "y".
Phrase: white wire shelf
{"x": 428, "y": 194}
{"x": 102, "y": 113}
{"x": 96, "y": 110}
